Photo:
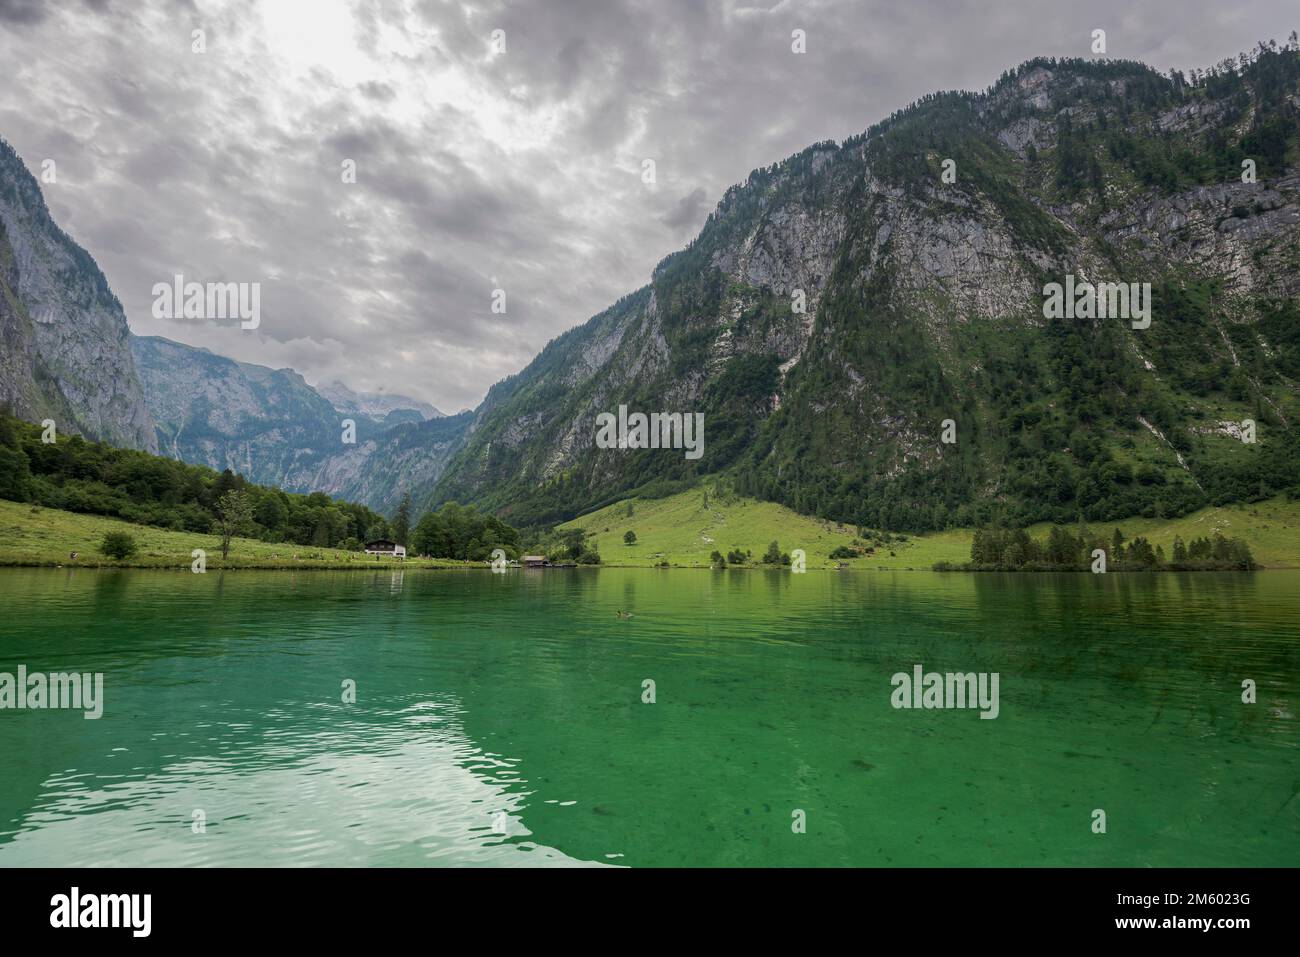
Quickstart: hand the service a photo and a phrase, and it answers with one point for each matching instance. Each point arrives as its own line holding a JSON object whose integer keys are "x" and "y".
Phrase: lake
{"x": 499, "y": 719}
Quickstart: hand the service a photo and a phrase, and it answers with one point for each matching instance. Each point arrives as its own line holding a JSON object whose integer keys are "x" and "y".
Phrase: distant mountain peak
{"x": 375, "y": 404}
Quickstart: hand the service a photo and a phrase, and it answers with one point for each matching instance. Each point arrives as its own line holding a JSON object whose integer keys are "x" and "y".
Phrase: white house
{"x": 383, "y": 546}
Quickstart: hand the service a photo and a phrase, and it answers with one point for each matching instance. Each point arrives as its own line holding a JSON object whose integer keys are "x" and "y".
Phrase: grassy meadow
{"x": 33, "y": 535}
{"x": 684, "y": 532}
{"x": 680, "y": 530}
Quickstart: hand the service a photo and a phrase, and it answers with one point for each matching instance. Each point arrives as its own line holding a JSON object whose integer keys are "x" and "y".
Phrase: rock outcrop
{"x": 67, "y": 353}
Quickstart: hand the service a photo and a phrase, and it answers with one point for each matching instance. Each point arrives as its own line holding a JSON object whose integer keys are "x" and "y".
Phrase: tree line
{"x": 1007, "y": 549}
{"x": 77, "y": 475}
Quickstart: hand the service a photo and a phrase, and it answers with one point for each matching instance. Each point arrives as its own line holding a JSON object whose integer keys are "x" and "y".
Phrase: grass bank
{"x": 33, "y": 535}
{"x": 683, "y": 531}
{"x": 680, "y": 530}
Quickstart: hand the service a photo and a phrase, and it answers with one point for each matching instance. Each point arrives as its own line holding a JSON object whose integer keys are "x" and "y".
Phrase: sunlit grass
{"x": 682, "y": 531}
{"x": 32, "y": 535}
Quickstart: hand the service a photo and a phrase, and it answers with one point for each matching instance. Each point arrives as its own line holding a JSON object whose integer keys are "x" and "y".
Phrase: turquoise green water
{"x": 499, "y": 719}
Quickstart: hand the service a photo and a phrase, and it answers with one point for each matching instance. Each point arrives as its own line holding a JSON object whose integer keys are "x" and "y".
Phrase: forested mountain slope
{"x": 924, "y": 302}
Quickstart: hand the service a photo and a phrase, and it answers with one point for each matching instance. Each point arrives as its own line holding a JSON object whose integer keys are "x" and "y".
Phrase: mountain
{"x": 380, "y": 407}
{"x": 267, "y": 424}
{"x": 66, "y": 346}
{"x": 68, "y": 355}
{"x": 273, "y": 428}
{"x": 841, "y": 316}
{"x": 926, "y": 317}
{"x": 408, "y": 458}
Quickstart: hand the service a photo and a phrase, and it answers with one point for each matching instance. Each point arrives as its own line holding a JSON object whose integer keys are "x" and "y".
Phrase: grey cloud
{"x": 22, "y": 11}
{"x": 377, "y": 91}
{"x": 688, "y": 212}
{"x": 519, "y": 170}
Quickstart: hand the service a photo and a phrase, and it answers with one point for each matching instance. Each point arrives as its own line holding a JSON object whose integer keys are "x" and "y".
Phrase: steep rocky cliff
{"x": 846, "y": 310}
{"x": 66, "y": 345}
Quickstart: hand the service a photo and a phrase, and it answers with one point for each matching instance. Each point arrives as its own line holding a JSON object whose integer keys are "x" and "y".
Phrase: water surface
{"x": 499, "y": 719}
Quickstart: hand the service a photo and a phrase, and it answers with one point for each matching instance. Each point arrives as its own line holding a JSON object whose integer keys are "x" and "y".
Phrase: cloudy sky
{"x": 477, "y": 168}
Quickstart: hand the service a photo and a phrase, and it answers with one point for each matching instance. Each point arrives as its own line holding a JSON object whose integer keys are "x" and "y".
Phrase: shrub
{"x": 118, "y": 545}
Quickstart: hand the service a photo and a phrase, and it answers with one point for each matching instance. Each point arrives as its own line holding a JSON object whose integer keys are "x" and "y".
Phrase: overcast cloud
{"x": 476, "y": 169}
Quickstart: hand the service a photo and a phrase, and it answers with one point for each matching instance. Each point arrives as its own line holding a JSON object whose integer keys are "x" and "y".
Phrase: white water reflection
{"x": 412, "y": 792}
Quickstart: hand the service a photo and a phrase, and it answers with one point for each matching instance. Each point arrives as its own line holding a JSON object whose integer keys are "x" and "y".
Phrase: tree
{"x": 15, "y": 475}
{"x": 118, "y": 545}
{"x": 271, "y": 511}
{"x": 402, "y": 520}
{"x": 234, "y": 517}
{"x": 629, "y": 537}
{"x": 456, "y": 531}
{"x": 773, "y": 556}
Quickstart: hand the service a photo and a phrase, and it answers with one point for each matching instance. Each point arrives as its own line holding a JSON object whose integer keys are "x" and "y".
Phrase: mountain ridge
{"x": 919, "y": 313}
{"x": 923, "y": 305}
{"x": 273, "y": 427}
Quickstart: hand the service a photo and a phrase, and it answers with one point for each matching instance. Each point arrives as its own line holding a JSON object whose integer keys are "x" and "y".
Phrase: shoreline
{"x": 275, "y": 566}
{"x": 452, "y": 565}
{"x": 670, "y": 530}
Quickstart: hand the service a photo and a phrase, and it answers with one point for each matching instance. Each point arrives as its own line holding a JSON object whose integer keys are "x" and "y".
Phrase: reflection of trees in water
{"x": 1178, "y": 644}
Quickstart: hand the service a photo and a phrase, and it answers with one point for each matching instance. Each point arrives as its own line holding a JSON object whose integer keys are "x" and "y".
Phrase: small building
{"x": 534, "y": 561}
{"x": 382, "y": 546}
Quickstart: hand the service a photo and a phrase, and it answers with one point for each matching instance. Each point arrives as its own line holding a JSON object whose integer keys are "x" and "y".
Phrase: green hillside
{"x": 33, "y": 535}
{"x": 681, "y": 530}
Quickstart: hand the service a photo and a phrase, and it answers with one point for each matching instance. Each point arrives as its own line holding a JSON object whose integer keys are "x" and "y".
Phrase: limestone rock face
{"x": 67, "y": 345}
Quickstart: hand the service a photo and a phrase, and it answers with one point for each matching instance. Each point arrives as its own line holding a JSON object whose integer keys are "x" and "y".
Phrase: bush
{"x": 118, "y": 545}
